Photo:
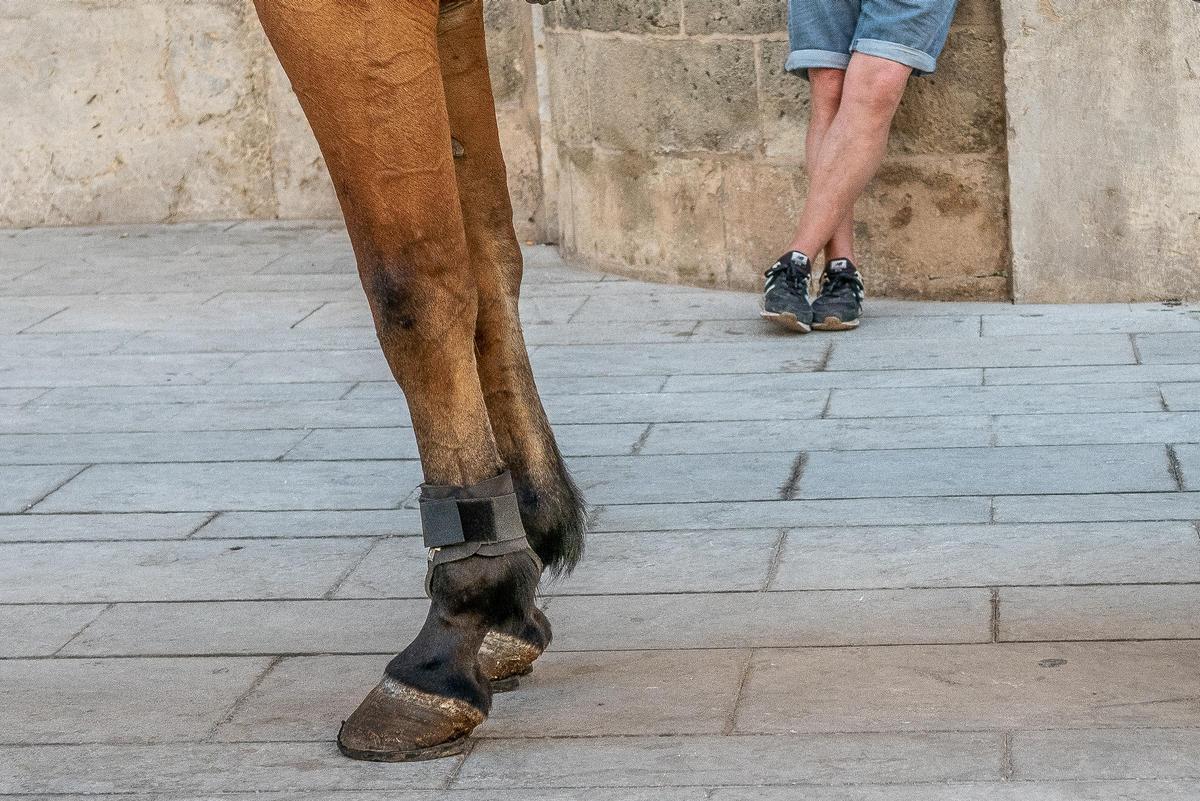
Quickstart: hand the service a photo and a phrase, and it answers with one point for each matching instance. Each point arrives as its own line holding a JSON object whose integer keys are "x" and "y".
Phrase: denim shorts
{"x": 823, "y": 33}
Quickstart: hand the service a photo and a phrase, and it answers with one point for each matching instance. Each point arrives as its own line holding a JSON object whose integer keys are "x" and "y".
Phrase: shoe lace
{"x": 839, "y": 282}
{"x": 794, "y": 279}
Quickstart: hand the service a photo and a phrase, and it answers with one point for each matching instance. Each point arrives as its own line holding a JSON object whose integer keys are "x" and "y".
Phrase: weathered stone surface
{"x": 630, "y": 16}
{"x": 734, "y": 16}
{"x": 1112, "y": 84}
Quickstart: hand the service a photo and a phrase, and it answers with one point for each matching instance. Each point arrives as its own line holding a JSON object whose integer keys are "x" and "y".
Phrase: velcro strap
{"x": 486, "y": 512}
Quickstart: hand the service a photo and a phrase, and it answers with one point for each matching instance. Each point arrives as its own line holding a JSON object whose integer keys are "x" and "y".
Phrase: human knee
{"x": 876, "y": 89}
{"x": 826, "y": 87}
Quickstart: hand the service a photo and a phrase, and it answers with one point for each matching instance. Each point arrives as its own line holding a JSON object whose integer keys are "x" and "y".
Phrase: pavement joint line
{"x": 1006, "y": 757}
{"x": 1175, "y": 468}
{"x": 855, "y": 645}
{"x": 29, "y": 509}
{"x": 776, "y": 558}
{"x": 452, "y": 775}
{"x": 730, "y": 724}
{"x": 828, "y": 405}
{"x": 356, "y": 384}
{"x": 337, "y": 584}
{"x": 994, "y": 618}
{"x": 823, "y": 364}
{"x": 242, "y": 697}
{"x": 44, "y": 319}
{"x": 1162, "y": 399}
{"x": 192, "y": 534}
{"x": 550, "y": 595}
{"x": 1137, "y": 351}
{"x": 641, "y": 440}
{"x": 309, "y": 314}
{"x": 104, "y": 610}
{"x": 284, "y": 456}
{"x": 788, "y": 490}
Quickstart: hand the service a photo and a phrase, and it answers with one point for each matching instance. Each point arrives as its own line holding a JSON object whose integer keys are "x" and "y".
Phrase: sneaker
{"x": 785, "y": 294}
{"x": 839, "y": 306}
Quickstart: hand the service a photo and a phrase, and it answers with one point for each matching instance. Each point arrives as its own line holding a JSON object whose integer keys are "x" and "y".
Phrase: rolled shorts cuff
{"x": 921, "y": 62}
{"x": 801, "y": 61}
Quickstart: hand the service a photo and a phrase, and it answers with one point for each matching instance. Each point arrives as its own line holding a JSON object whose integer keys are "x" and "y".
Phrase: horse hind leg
{"x": 366, "y": 74}
{"x": 551, "y": 507}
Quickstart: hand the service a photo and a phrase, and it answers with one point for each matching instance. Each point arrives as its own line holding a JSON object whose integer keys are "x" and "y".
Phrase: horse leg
{"x": 367, "y": 77}
{"x": 550, "y": 505}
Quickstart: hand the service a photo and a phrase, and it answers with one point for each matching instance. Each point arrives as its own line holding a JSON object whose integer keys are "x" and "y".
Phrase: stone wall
{"x": 166, "y": 110}
{"x": 681, "y": 141}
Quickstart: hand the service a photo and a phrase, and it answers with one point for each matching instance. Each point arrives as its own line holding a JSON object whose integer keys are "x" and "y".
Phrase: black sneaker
{"x": 785, "y": 294}
{"x": 839, "y": 306}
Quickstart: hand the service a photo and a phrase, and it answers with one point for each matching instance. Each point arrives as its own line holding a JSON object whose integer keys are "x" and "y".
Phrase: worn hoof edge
{"x": 440, "y": 751}
{"x": 510, "y": 683}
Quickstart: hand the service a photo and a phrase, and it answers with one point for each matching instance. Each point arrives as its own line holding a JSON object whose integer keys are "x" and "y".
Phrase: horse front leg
{"x": 367, "y": 77}
{"x": 551, "y": 507}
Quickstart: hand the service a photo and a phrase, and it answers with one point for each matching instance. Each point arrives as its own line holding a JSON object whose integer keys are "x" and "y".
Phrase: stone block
{"x": 734, "y": 16}
{"x": 663, "y": 96}
{"x": 654, "y": 215}
{"x": 1064, "y": 351}
{"x": 969, "y": 687}
{"x": 567, "y": 67}
{"x": 682, "y": 479}
{"x": 1004, "y": 401}
{"x": 661, "y": 407}
{"x": 786, "y": 355}
{"x": 628, "y": 16}
{"x": 1087, "y": 429}
{"x": 1170, "y": 505}
{"x": 197, "y": 446}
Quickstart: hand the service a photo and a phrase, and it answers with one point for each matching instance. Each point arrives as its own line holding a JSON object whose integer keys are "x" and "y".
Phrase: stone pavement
{"x": 952, "y": 556}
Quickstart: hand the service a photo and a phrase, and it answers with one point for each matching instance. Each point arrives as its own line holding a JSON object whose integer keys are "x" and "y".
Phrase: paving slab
{"x": 715, "y": 761}
{"x": 1168, "y": 348}
{"x": 872, "y": 327}
{"x": 971, "y": 687}
{"x": 1187, "y": 469}
{"x": 18, "y": 314}
{"x": 1136, "y": 790}
{"x": 337, "y": 523}
{"x": 1132, "y": 612}
{"x": 143, "y": 447}
{"x": 674, "y": 561}
{"x": 990, "y": 471}
{"x": 787, "y": 355}
{"x": 180, "y": 396}
{"x": 234, "y": 486}
{"x": 204, "y": 768}
{"x": 772, "y": 619}
{"x": 42, "y": 630}
{"x": 48, "y": 528}
{"x": 1053, "y": 399}
{"x": 395, "y": 568}
{"x": 119, "y": 700}
{"x": 988, "y": 555}
{"x": 1107, "y": 753}
{"x": 60, "y": 371}
{"x": 790, "y": 382}
{"x": 152, "y": 571}
{"x": 785, "y": 514}
{"x": 1181, "y": 397}
{"x": 1171, "y": 505}
{"x": 852, "y": 434}
{"x": 250, "y": 628}
{"x": 1117, "y": 321}
{"x": 683, "y": 479}
{"x": 1092, "y": 374}
{"x": 666, "y": 407}
{"x": 882, "y": 354}
{"x": 1097, "y": 429}
{"x": 24, "y": 486}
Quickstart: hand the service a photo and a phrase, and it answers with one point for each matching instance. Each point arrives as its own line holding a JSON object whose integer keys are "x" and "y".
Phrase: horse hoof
{"x": 504, "y": 658}
{"x": 398, "y": 723}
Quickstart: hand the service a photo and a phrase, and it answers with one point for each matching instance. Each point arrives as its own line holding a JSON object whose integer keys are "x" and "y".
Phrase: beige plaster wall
{"x": 173, "y": 110}
{"x": 1104, "y": 139}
